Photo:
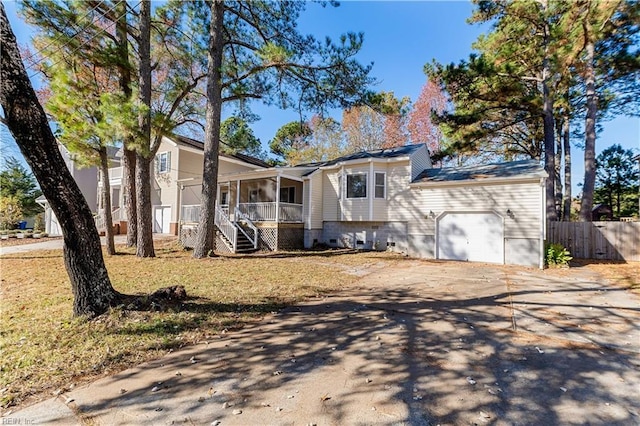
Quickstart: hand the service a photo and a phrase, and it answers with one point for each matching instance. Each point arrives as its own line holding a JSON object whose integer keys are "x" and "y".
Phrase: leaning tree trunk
{"x": 206, "y": 228}
{"x": 586, "y": 205}
{"x": 92, "y": 290}
{"x": 105, "y": 194}
{"x": 129, "y": 155}
{"x": 143, "y": 156}
{"x": 566, "y": 147}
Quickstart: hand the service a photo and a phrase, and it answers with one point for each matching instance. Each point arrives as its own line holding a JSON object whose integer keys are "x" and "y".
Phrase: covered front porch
{"x": 259, "y": 210}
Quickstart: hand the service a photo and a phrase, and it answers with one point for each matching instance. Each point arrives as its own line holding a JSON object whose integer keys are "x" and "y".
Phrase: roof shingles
{"x": 512, "y": 169}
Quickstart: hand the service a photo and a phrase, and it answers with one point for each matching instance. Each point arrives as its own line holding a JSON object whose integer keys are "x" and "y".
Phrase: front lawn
{"x": 44, "y": 350}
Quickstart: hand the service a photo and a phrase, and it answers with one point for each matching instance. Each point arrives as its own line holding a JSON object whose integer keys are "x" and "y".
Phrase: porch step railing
{"x": 248, "y": 229}
{"x": 228, "y": 229}
{"x": 116, "y": 216}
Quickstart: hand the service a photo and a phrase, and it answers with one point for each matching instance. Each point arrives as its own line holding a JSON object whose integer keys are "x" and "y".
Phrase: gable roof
{"x": 512, "y": 169}
{"x": 399, "y": 151}
{"x": 192, "y": 143}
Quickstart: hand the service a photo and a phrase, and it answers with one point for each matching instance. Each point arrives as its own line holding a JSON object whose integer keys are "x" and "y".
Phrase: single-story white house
{"x": 389, "y": 199}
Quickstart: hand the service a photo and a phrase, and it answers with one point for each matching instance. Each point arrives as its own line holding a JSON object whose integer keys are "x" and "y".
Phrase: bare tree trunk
{"x": 566, "y": 147}
{"x": 586, "y": 206}
{"x": 205, "y": 242}
{"x": 25, "y": 118}
{"x": 558, "y": 164}
{"x": 129, "y": 181}
{"x": 548, "y": 124}
{"x": 144, "y": 155}
{"x": 106, "y": 202}
{"x": 129, "y": 156}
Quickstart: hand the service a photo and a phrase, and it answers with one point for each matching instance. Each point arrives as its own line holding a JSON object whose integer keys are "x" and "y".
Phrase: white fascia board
{"x": 169, "y": 141}
{"x": 478, "y": 182}
{"x": 365, "y": 161}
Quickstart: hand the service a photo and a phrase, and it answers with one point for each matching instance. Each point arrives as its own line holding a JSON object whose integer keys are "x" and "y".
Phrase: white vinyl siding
{"x": 315, "y": 205}
{"x": 330, "y": 193}
{"x": 401, "y": 205}
{"x": 523, "y": 199}
{"x": 356, "y": 209}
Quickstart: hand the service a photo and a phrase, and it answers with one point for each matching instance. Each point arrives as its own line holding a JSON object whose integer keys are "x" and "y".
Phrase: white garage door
{"x": 476, "y": 237}
{"x": 161, "y": 219}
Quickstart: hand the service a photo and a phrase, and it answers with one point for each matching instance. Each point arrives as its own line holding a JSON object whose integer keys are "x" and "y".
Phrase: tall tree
{"x": 84, "y": 31}
{"x": 256, "y": 52}
{"x": 421, "y": 127}
{"x": 607, "y": 30}
{"x": 617, "y": 180}
{"x": 380, "y": 122}
{"x": 88, "y": 110}
{"x": 236, "y": 136}
{"x": 25, "y": 118}
{"x": 18, "y": 183}
{"x": 145, "y": 151}
{"x": 290, "y": 138}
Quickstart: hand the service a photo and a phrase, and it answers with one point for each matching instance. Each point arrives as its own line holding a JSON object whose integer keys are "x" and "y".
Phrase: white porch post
{"x": 237, "y": 198}
{"x": 278, "y": 198}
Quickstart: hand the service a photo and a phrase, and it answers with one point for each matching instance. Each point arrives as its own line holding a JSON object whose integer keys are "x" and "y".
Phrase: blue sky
{"x": 400, "y": 37}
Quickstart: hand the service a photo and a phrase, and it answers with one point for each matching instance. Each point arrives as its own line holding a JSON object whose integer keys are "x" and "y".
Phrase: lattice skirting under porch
{"x": 269, "y": 239}
{"x": 290, "y": 238}
{"x": 221, "y": 244}
{"x": 188, "y": 237}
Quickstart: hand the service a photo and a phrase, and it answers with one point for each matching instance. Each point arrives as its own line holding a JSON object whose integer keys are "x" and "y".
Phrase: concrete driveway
{"x": 416, "y": 343}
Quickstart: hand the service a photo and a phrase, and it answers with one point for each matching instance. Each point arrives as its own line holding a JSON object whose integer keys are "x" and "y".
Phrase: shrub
{"x": 557, "y": 255}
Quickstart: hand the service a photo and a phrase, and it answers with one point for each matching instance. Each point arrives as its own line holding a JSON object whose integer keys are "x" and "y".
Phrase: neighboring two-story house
{"x": 176, "y": 180}
{"x": 87, "y": 179}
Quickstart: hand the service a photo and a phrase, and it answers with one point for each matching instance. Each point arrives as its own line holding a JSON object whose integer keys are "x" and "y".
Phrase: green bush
{"x": 557, "y": 255}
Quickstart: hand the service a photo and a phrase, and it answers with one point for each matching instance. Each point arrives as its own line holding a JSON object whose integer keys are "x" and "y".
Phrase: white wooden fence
{"x": 597, "y": 240}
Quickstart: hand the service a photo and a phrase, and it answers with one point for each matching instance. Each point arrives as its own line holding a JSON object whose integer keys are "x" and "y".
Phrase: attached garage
{"x": 491, "y": 213}
{"x": 470, "y": 236}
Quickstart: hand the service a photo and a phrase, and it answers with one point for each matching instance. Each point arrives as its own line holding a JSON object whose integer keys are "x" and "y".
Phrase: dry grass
{"x": 43, "y": 349}
{"x": 623, "y": 274}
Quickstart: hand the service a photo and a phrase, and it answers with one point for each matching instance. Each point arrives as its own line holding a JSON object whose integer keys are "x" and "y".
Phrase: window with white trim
{"x": 357, "y": 185}
{"x": 163, "y": 161}
{"x": 380, "y": 185}
{"x": 288, "y": 194}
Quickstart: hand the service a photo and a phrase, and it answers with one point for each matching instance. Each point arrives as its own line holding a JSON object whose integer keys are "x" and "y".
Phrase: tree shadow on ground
{"x": 398, "y": 355}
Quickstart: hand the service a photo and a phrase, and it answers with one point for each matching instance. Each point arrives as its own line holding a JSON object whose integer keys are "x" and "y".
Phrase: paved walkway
{"x": 419, "y": 343}
{"x": 57, "y": 244}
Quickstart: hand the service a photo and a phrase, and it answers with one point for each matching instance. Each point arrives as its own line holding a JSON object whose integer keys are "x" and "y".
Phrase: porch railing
{"x": 266, "y": 212}
{"x": 190, "y": 213}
